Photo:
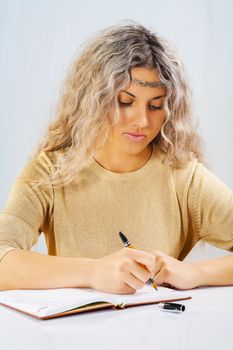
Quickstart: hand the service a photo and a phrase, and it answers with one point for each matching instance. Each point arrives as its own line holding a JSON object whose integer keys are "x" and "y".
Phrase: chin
{"x": 134, "y": 148}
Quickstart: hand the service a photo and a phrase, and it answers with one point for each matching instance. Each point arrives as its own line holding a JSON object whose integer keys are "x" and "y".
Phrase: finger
{"x": 126, "y": 289}
{"x": 156, "y": 252}
{"x": 159, "y": 264}
{"x": 140, "y": 272}
{"x": 161, "y": 277}
{"x": 146, "y": 259}
{"x": 133, "y": 282}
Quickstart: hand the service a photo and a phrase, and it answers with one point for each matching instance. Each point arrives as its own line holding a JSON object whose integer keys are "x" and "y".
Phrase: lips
{"x": 135, "y": 137}
{"x": 134, "y": 134}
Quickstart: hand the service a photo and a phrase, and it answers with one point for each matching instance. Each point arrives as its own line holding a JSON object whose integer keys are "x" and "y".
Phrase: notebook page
{"x": 148, "y": 293}
{"x": 45, "y": 302}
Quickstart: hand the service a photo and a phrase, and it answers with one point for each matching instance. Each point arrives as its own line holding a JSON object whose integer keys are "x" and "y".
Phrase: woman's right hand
{"x": 122, "y": 272}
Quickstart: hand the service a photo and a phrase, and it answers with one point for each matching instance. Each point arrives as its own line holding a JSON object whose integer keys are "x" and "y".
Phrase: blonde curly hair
{"x": 82, "y": 114}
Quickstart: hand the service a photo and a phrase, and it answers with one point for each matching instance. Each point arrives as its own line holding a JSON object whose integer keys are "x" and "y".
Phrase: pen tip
{"x": 154, "y": 286}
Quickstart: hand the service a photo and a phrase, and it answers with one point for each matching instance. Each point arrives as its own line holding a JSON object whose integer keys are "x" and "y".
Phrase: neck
{"x": 119, "y": 162}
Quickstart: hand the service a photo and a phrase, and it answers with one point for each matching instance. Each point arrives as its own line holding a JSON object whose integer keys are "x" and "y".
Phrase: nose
{"x": 140, "y": 117}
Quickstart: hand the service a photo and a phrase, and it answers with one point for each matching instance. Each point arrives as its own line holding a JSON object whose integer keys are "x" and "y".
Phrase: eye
{"x": 154, "y": 108}
{"x": 125, "y": 104}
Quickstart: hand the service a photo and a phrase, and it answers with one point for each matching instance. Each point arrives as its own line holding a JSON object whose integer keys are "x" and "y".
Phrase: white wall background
{"x": 38, "y": 40}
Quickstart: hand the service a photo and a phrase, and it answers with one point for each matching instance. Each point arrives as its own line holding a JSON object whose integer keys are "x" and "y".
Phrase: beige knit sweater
{"x": 157, "y": 207}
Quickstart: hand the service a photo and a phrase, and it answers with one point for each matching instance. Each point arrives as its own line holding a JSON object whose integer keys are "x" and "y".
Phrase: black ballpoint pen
{"x": 127, "y": 243}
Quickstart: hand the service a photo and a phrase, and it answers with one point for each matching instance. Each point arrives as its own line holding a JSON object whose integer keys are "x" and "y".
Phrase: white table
{"x": 207, "y": 323}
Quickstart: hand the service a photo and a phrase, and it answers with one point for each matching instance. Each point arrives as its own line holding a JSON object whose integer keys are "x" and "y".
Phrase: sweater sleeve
{"x": 27, "y": 209}
{"x": 210, "y": 203}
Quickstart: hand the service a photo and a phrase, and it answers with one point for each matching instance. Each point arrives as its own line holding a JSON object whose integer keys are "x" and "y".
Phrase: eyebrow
{"x": 153, "y": 98}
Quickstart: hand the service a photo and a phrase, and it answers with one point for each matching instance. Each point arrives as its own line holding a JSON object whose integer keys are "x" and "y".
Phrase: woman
{"x": 122, "y": 154}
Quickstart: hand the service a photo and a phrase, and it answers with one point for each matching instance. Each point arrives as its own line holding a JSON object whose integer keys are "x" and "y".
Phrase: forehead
{"x": 145, "y": 80}
{"x": 144, "y": 74}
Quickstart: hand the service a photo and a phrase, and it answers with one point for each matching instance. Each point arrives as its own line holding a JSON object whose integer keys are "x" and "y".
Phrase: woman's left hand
{"x": 175, "y": 273}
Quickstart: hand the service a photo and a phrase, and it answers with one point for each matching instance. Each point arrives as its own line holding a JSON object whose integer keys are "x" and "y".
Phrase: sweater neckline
{"x": 131, "y": 176}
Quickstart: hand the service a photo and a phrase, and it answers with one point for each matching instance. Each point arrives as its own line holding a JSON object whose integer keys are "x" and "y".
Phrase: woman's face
{"x": 141, "y": 112}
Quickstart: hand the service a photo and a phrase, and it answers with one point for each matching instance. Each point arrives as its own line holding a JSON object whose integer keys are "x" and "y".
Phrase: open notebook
{"x": 49, "y": 303}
